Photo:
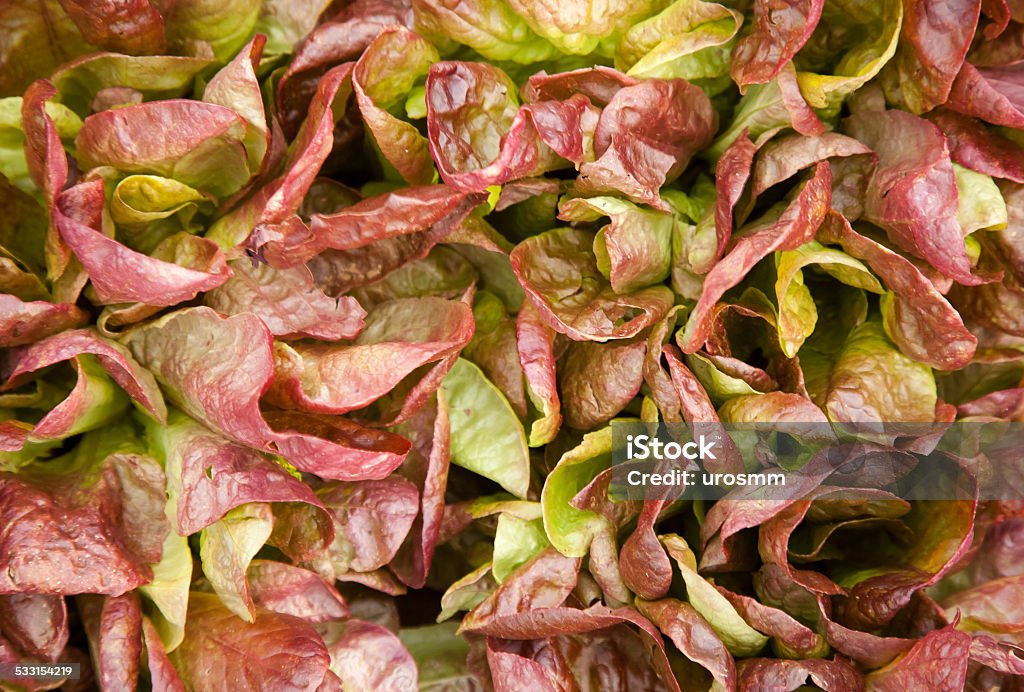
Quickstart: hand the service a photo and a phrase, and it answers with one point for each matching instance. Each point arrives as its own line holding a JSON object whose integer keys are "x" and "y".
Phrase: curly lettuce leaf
{"x": 780, "y": 30}
{"x": 689, "y": 39}
{"x": 234, "y": 360}
{"x": 561, "y": 277}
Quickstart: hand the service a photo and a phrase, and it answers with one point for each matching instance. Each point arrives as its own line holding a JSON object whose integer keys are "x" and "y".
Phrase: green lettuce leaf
{"x": 579, "y": 27}
{"x": 872, "y": 381}
{"x": 569, "y": 528}
{"x": 797, "y": 313}
{"x": 739, "y": 637}
{"x": 486, "y": 435}
{"x": 690, "y": 39}
{"x": 227, "y": 547}
{"x": 868, "y": 47}
{"x": 490, "y": 27}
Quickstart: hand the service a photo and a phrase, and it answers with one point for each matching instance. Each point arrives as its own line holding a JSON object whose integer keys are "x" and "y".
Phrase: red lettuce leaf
{"x": 589, "y": 402}
{"x": 48, "y": 166}
{"x": 121, "y": 275}
{"x": 542, "y": 583}
{"x": 301, "y": 531}
{"x": 998, "y": 11}
{"x": 1006, "y": 404}
{"x": 367, "y": 656}
{"x": 470, "y": 107}
{"x": 646, "y": 568}
{"x": 208, "y": 475}
{"x": 216, "y": 369}
{"x": 990, "y": 94}
{"x": 870, "y": 650}
{"x": 114, "y": 627}
{"x": 792, "y": 228}
{"x": 372, "y": 519}
{"x": 912, "y": 193}
{"x": 426, "y": 466}
{"x": 996, "y": 655}
{"x": 645, "y": 137}
{"x": 97, "y": 531}
{"x": 800, "y": 115}
{"x": 25, "y": 322}
{"x": 656, "y": 376}
{"x": 561, "y": 623}
{"x": 731, "y": 175}
{"x": 337, "y": 447}
{"x": 772, "y": 407}
{"x": 112, "y": 356}
{"x": 974, "y": 146}
{"x": 774, "y": 539}
{"x": 276, "y": 651}
{"x": 634, "y": 250}
{"x": 135, "y": 27}
{"x": 100, "y": 81}
{"x": 693, "y": 636}
{"x": 535, "y": 342}
{"x": 384, "y": 74}
{"x": 934, "y": 39}
{"x": 236, "y": 86}
{"x": 161, "y": 671}
{"x": 412, "y": 394}
{"x": 389, "y": 230}
{"x": 989, "y": 607}
{"x": 780, "y": 30}
{"x": 610, "y": 657}
{"x": 699, "y": 413}
{"x": 443, "y": 273}
{"x": 149, "y": 138}
{"x": 938, "y": 660}
{"x": 381, "y": 581}
{"x": 791, "y": 636}
{"x": 13, "y": 435}
{"x": 400, "y": 337}
{"x": 342, "y": 38}
{"x": 528, "y": 663}
{"x": 782, "y": 158}
{"x": 36, "y": 624}
{"x": 480, "y": 137}
{"x": 782, "y": 675}
{"x": 287, "y": 301}
{"x": 44, "y": 154}
{"x": 918, "y": 318}
{"x": 276, "y": 203}
{"x": 283, "y": 588}
{"x": 599, "y": 84}
{"x": 996, "y": 555}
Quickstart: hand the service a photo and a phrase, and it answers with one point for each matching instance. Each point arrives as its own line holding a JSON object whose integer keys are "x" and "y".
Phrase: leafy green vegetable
{"x": 322, "y": 321}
